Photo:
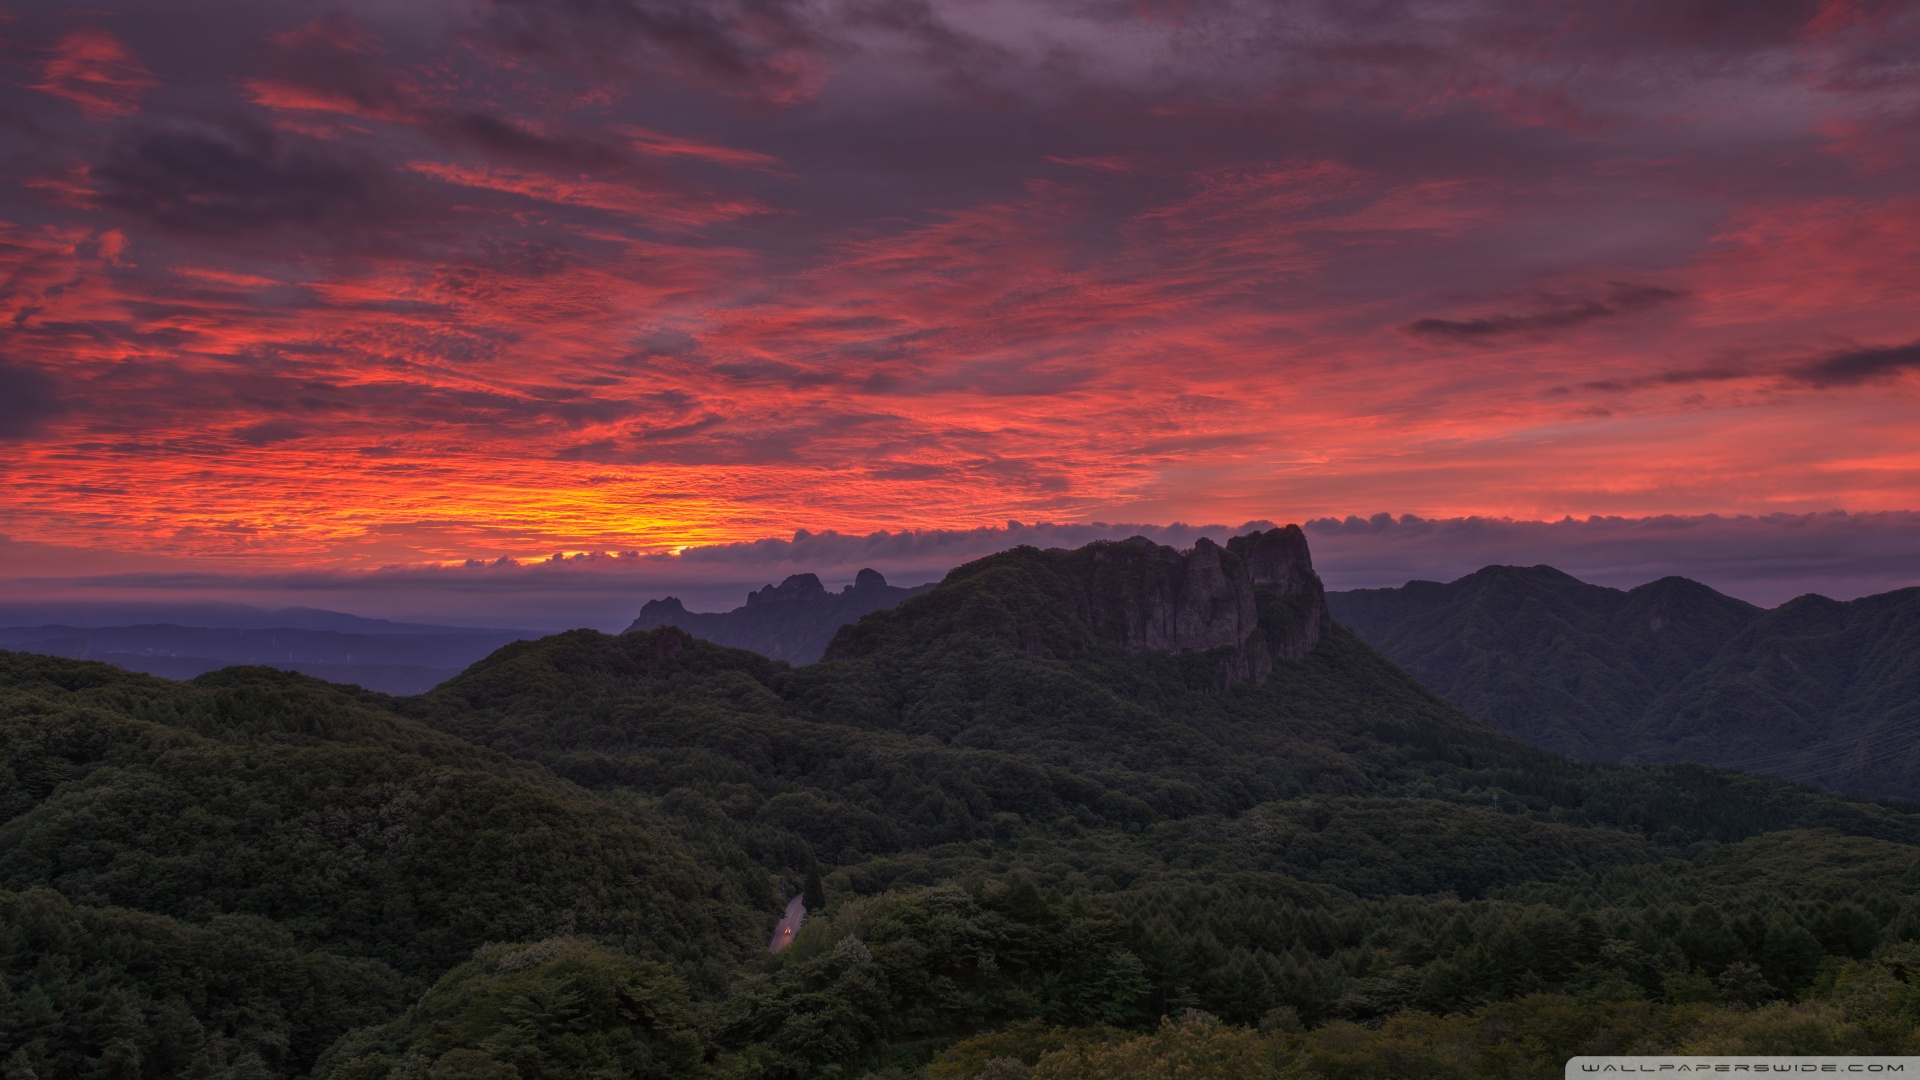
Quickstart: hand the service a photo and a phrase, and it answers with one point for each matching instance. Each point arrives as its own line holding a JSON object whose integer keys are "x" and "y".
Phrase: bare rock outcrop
{"x": 1281, "y": 568}
{"x": 1157, "y": 599}
{"x": 1257, "y": 600}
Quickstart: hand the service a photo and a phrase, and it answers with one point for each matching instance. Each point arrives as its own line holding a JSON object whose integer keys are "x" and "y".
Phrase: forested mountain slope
{"x": 1815, "y": 690}
{"x": 292, "y": 846}
{"x": 1317, "y": 834}
{"x": 1556, "y": 662}
{"x": 1053, "y": 800}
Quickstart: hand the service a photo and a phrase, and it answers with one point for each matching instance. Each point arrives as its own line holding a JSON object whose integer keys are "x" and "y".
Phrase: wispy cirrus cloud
{"x": 96, "y": 71}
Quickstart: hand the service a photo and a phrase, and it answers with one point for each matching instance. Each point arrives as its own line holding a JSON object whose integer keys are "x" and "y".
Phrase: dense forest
{"x": 1044, "y": 852}
{"x": 1816, "y": 690}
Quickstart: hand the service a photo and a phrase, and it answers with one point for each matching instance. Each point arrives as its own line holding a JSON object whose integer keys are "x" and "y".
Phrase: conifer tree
{"x": 813, "y": 894}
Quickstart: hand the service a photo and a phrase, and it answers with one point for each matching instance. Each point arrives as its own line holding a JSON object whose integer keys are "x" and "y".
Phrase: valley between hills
{"x": 1118, "y": 811}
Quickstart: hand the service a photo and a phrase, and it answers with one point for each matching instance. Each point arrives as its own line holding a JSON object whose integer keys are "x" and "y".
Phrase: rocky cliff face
{"x": 1257, "y": 600}
{"x": 1153, "y": 598}
{"x": 1282, "y": 571}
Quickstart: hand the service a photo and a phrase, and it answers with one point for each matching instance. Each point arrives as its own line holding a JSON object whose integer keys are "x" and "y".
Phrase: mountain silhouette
{"x": 791, "y": 621}
{"x": 1817, "y": 690}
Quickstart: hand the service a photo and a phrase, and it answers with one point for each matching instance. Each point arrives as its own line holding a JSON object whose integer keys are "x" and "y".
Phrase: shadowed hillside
{"x": 1815, "y": 690}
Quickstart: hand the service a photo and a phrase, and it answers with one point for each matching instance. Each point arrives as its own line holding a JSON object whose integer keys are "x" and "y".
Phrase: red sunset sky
{"x": 299, "y": 288}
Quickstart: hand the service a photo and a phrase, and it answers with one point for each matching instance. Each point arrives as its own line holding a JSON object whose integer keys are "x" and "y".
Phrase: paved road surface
{"x": 789, "y": 925}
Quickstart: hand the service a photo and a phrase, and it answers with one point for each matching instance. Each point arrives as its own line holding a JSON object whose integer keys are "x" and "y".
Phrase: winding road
{"x": 789, "y": 925}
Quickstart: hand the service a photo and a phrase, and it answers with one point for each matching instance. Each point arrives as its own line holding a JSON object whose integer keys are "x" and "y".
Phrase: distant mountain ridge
{"x": 791, "y": 621}
{"x": 389, "y": 661}
{"x": 1818, "y": 690}
{"x": 216, "y": 616}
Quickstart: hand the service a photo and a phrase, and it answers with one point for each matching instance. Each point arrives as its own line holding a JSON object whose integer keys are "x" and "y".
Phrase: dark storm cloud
{"x": 1622, "y": 300}
{"x": 1713, "y": 24}
{"x": 28, "y": 399}
{"x": 268, "y": 432}
{"x": 1852, "y": 367}
{"x": 761, "y": 44}
{"x": 504, "y": 139}
{"x": 237, "y": 177}
{"x": 1683, "y": 377}
{"x": 337, "y": 66}
{"x": 964, "y": 59}
{"x": 1842, "y": 368}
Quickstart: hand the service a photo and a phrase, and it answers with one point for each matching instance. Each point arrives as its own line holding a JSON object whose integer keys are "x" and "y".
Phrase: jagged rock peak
{"x": 869, "y": 578}
{"x": 1276, "y": 557}
{"x": 654, "y": 610}
{"x": 1278, "y": 560}
{"x": 796, "y": 587}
